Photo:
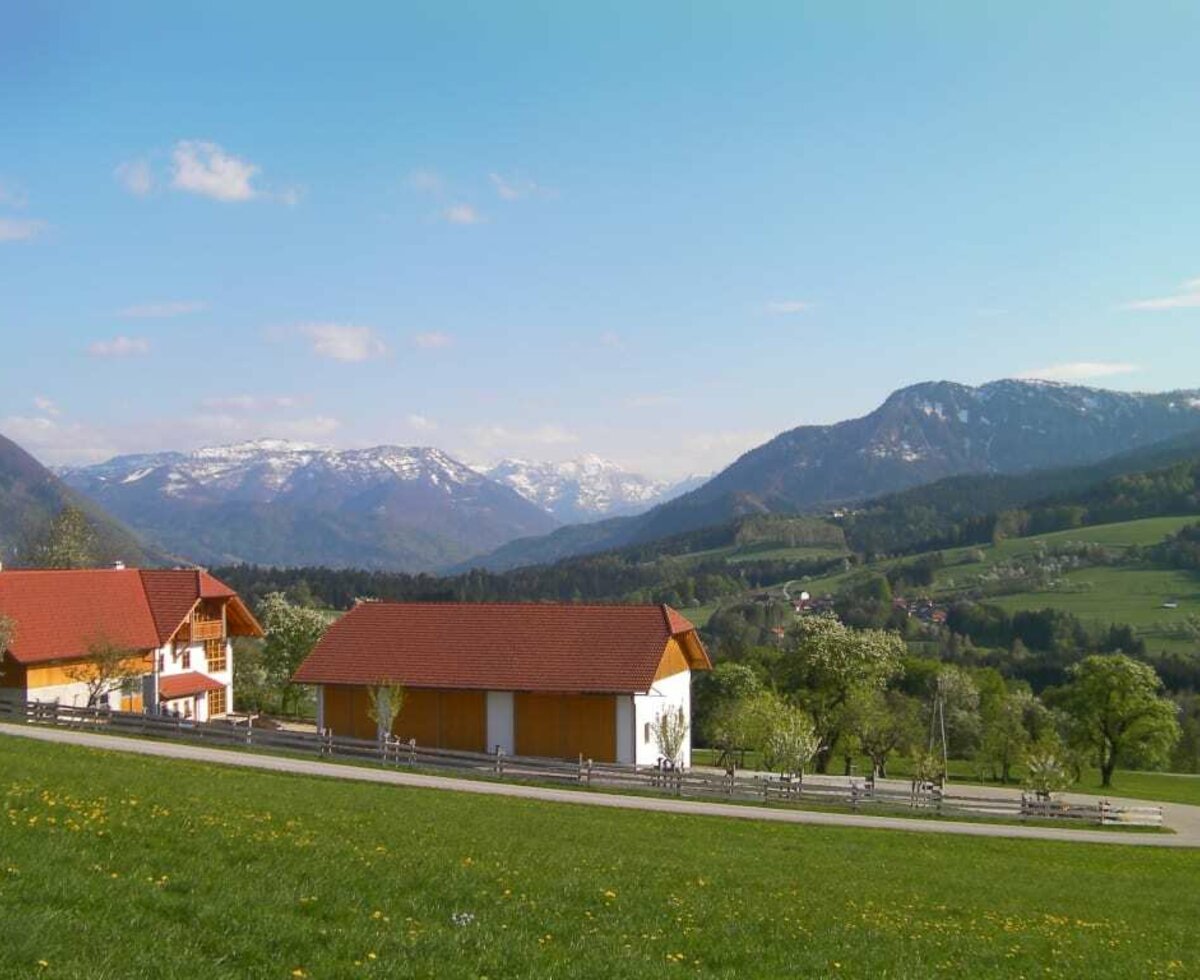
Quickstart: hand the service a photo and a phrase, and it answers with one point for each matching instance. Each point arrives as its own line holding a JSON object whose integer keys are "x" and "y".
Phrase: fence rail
{"x": 858, "y": 794}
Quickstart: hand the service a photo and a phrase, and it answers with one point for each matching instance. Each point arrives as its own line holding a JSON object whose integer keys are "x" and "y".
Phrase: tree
{"x": 386, "y": 699}
{"x": 107, "y": 669}
{"x": 670, "y": 730}
{"x": 1047, "y": 769}
{"x": 1006, "y": 735}
{"x": 1118, "y": 713}
{"x": 291, "y": 633}
{"x": 69, "y": 541}
{"x": 828, "y": 664}
{"x": 886, "y": 723}
{"x": 790, "y": 741}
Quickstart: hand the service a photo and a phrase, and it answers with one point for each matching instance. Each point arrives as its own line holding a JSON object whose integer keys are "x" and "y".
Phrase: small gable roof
{"x": 58, "y": 614}
{"x": 501, "y": 647}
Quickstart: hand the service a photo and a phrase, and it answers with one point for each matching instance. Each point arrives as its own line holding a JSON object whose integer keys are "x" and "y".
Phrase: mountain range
{"x": 920, "y": 434}
{"x": 418, "y": 509}
{"x": 278, "y": 502}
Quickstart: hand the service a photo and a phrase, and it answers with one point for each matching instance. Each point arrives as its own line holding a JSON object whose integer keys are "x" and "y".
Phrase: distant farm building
{"x": 534, "y": 680}
{"x": 174, "y": 625}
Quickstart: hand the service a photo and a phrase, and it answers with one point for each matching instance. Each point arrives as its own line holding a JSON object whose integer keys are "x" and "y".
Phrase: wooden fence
{"x": 857, "y": 795}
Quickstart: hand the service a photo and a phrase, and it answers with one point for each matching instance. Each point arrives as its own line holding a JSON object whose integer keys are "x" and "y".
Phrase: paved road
{"x": 1185, "y": 820}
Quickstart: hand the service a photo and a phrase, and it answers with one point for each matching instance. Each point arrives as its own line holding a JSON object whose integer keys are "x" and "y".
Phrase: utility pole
{"x": 937, "y": 729}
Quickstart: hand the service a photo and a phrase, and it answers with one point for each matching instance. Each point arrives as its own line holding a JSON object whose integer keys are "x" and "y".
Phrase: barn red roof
{"x": 185, "y": 685}
{"x": 500, "y": 647}
{"x": 58, "y": 614}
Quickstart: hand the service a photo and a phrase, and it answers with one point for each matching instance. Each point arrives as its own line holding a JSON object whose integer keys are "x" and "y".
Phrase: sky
{"x": 658, "y": 232}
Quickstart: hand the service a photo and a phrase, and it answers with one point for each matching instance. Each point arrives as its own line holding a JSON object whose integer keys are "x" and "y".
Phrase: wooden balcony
{"x": 207, "y": 629}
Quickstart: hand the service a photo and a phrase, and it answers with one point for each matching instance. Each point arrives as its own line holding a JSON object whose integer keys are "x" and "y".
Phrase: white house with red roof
{"x": 176, "y": 625}
{"x": 554, "y": 680}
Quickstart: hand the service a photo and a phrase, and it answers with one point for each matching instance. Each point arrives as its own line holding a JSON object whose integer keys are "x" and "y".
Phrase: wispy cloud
{"x": 250, "y": 403}
{"x": 46, "y": 406}
{"x": 12, "y": 196}
{"x": 1187, "y": 298}
{"x": 432, "y": 340}
{"x": 425, "y": 181}
{"x": 516, "y": 188}
{"x": 503, "y": 437}
{"x": 612, "y": 339}
{"x": 204, "y": 168}
{"x": 462, "y": 214}
{"x": 420, "y": 423}
{"x": 1079, "y": 371}
{"x": 20, "y": 229}
{"x": 639, "y": 402}
{"x": 136, "y": 177}
{"x": 344, "y": 342}
{"x": 786, "y": 307}
{"x": 149, "y": 311}
{"x": 121, "y": 346}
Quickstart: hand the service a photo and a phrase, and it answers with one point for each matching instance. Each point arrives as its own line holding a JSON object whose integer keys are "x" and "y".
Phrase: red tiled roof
{"x": 185, "y": 685}
{"x": 58, "y": 614}
{"x": 497, "y": 647}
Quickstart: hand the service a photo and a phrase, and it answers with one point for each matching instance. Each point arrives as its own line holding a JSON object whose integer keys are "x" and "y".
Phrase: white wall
{"x": 669, "y": 692}
{"x": 626, "y": 736}
{"x": 501, "y": 728}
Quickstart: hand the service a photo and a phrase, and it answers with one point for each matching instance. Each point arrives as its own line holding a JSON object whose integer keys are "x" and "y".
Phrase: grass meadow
{"x": 114, "y": 865}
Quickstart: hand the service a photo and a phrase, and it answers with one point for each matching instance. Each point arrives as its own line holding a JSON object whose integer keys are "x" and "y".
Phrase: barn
{"x": 558, "y": 681}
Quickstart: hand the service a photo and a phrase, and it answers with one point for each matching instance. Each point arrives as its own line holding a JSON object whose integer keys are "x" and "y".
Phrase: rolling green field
{"x": 121, "y": 866}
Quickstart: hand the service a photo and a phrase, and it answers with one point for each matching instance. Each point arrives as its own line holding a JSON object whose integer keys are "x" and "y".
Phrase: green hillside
{"x": 121, "y": 866}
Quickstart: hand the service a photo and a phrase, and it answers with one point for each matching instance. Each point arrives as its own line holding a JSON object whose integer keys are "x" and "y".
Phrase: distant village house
{"x": 558, "y": 681}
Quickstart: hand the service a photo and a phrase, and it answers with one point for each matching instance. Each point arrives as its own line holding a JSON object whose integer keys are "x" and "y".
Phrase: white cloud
{"x": 786, "y": 307}
{"x": 426, "y": 181}
{"x": 250, "y": 403}
{"x": 432, "y": 340}
{"x": 711, "y": 449}
{"x": 162, "y": 310}
{"x": 20, "y": 229}
{"x": 505, "y": 438}
{"x": 136, "y": 177}
{"x": 344, "y": 342}
{"x": 1187, "y": 298}
{"x": 610, "y": 338}
{"x": 420, "y": 423}
{"x": 121, "y": 346}
{"x": 202, "y": 167}
{"x": 46, "y": 406}
{"x": 462, "y": 214}
{"x": 1079, "y": 371}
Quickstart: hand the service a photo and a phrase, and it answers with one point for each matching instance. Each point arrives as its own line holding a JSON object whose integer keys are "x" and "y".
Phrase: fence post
{"x": 589, "y": 772}
{"x": 249, "y": 731}
{"x": 1102, "y": 809}
{"x": 412, "y": 751}
{"x": 499, "y": 765}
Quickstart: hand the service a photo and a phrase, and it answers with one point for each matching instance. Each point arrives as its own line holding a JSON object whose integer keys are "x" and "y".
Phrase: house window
{"x": 185, "y": 658}
{"x": 646, "y": 733}
{"x": 216, "y": 703}
{"x": 214, "y": 653}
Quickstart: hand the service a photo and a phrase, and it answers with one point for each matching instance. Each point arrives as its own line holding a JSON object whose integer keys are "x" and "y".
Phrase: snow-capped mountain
{"x": 584, "y": 489}
{"x": 277, "y": 502}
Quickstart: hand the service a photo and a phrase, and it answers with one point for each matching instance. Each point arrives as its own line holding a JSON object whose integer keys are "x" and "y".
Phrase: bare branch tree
{"x": 386, "y": 701}
{"x": 107, "y": 668}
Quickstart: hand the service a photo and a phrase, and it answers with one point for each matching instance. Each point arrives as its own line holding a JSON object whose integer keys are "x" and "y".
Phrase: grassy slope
{"x": 114, "y": 866}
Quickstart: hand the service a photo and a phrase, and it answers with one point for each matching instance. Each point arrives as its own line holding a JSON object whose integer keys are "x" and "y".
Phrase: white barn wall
{"x": 501, "y": 727}
{"x": 669, "y": 692}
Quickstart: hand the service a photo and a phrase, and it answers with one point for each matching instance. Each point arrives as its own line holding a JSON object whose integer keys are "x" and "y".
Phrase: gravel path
{"x": 1184, "y": 820}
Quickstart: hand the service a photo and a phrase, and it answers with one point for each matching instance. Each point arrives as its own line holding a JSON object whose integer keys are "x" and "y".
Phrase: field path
{"x": 1184, "y": 820}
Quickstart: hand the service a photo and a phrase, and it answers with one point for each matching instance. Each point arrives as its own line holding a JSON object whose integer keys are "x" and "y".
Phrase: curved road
{"x": 1184, "y": 820}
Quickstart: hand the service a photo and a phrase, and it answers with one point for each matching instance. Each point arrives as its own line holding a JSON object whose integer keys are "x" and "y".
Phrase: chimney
{"x": 118, "y": 566}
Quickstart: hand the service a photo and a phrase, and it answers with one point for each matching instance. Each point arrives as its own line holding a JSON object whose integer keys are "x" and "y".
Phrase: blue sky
{"x": 660, "y": 232}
